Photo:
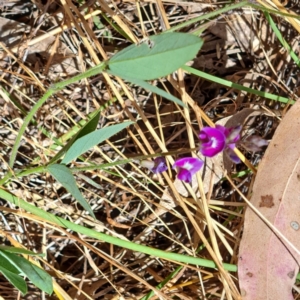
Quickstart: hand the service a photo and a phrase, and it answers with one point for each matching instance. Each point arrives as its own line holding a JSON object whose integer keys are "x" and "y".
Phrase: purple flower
{"x": 212, "y": 141}
{"x": 187, "y": 167}
{"x": 216, "y": 140}
{"x": 232, "y": 135}
{"x": 157, "y": 166}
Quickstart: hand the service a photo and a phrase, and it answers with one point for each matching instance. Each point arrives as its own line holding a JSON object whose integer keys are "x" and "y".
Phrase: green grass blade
{"x": 19, "y": 251}
{"x": 163, "y": 283}
{"x": 110, "y": 239}
{"x": 282, "y": 40}
{"x": 208, "y": 16}
{"x": 219, "y": 12}
{"x": 236, "y": 86}
{"x": 113, "y": 240}
{"x": 115, "y": 26}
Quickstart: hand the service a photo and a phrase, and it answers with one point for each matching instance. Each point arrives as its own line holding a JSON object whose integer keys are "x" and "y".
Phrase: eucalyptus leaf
{"x": 158, "y": 56}
{"x": 92, "y": 139}
{"x": 36, "y": 275}
{"x": 64, "y": 176}
{"x": 16, "y": 280}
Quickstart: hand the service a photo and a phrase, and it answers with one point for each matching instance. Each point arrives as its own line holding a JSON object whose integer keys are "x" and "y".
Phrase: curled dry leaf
{"x": 267, "y": 266}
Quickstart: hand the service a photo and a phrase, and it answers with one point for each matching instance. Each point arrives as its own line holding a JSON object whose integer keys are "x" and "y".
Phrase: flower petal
{"x": 234, "y": 158}
{"x": 231, "y": 146}
{"x": 159, "y": 165}
{"x": 184, "y": 175}
{"x": 213, "y": 140}
{"x": 190, "y": 164}
{"x": 187, "y": 167}
{"x": 222, "y": 129}
{"x": 233, "y": 134}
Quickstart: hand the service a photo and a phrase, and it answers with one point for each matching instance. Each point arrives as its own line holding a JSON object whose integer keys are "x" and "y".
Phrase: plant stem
{"x": 52, "y": 90}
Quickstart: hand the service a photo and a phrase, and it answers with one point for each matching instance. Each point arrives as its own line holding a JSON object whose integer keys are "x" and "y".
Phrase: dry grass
{"x": 59, "y": 39}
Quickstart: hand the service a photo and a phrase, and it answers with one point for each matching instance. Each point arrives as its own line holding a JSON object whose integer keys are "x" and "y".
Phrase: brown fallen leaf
{"x": 267, "y": 265}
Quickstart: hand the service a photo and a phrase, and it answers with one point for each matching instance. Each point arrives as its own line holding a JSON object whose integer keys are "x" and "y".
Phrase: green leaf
{"x": 90, "y": 126}
{"x": 157, "y": 57}
{"x": 153, "y": 89}
{"x": 16, "y": 280}
{"x": 90, "y": 140}
{"x": 64, "y": 176}
{"x": 19, "y": 251}
{"x": 8, "y": 265}
{"x": 36, "y": 275}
